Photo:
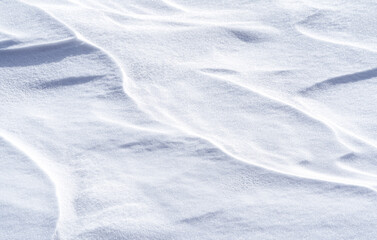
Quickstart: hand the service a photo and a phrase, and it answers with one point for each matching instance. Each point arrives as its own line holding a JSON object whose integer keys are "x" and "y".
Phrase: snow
{"x": 172, "y": 119}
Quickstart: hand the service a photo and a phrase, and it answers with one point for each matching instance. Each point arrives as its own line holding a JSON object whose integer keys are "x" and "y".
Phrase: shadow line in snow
{"x": 68, "y": 82}
{"x": 43, "y": 53}
{"x": 344, "y": 79}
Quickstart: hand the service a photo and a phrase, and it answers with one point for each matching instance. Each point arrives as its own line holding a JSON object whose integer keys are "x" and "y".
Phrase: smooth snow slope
{"x": 173, "y": 119}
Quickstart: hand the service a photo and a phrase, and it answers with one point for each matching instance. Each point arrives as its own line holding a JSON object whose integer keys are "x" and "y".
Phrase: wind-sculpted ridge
{"x": 181, "y": 119}
{"x": 344, "y": 79}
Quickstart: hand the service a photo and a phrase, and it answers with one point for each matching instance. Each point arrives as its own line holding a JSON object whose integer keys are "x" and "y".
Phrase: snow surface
{"x": 176, "y": 119}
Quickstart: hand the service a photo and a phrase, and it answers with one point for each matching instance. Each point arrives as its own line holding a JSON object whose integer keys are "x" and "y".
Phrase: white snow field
{"x": 188, "y": 119}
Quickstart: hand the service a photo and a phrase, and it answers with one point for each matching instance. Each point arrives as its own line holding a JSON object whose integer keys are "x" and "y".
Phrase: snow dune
{"x": 196, "y": 119}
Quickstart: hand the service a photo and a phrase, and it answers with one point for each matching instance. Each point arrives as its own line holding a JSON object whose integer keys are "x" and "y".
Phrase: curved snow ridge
{"x": 33, "y": 155}
{"x": 65, "y": 193}
{"x": 333, "y": 39}
{"x": 336, "y": 127}
{"x": 24, "y": 47}
{"x": 355, "y": 170}
{"x": 90, "y": 43}
{"x": 205, "y": 153}
{"x": 300, "y": 107}
{"x": 356, "y": 179}
{"x": 337, "y": 174}
{"x": 8, "y": 43}
{"x": 135, "y": 21}
{"x": 124, "y": 124}
{"x": 28, "y": 193}
{"x": 360, "y": 179}
{"x": 28, "y": 24}
{"x": 55, "y": 175}
{"x": 344, "y": 79}
{"x": 58, "y": 174}
{"x": 175, "y": 5}
{"x": 129, "y": 85}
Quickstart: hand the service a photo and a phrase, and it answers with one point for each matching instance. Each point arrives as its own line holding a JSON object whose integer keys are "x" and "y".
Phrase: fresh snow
{"x": 174, "y": 119}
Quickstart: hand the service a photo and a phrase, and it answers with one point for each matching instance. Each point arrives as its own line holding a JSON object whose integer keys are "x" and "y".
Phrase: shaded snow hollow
{"x": 173, "y": 119}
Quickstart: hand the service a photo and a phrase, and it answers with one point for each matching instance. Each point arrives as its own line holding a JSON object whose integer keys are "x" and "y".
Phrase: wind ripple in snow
{"x": 188, "y": 120}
